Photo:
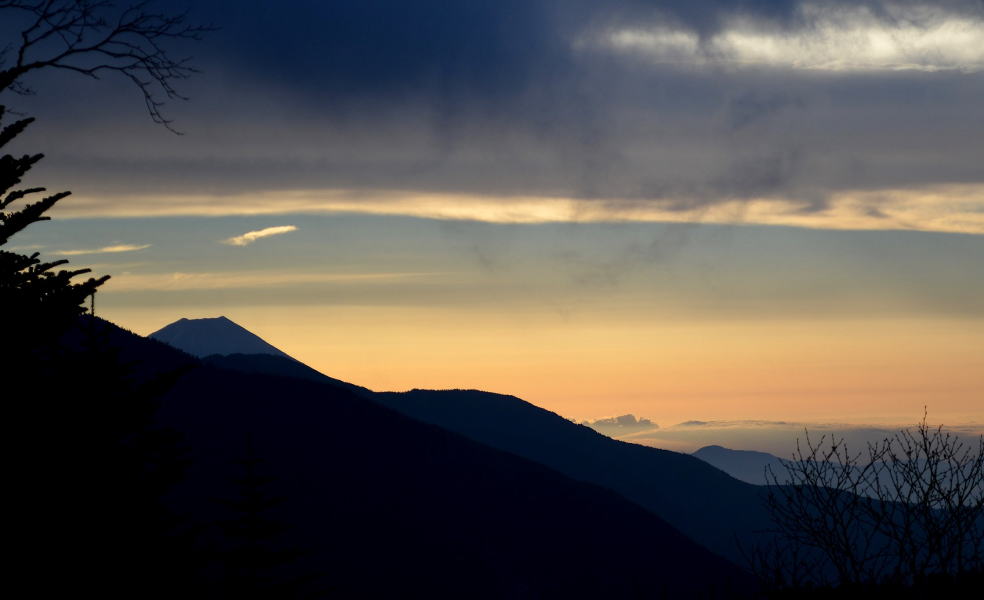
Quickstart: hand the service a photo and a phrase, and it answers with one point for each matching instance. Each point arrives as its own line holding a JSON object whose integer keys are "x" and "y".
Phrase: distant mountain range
{"x": 700, "y": 500}
{"x": 752, "y": 467}
{"x": 399, "y": 506}
{"x": 746, "y": 465}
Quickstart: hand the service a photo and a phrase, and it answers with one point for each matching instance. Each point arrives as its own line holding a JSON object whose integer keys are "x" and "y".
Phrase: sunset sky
{"x": 691, "y": 210}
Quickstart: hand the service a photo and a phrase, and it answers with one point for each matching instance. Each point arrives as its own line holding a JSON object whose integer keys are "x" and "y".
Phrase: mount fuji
{"x": 219, "y": 335}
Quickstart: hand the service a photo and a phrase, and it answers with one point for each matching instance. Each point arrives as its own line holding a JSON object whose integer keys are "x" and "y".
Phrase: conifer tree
{"x": 256, "y": 558}
{"x": 86, "y": 494}
{"x": 88, "y": 491}
{"x": 39, "y": 299}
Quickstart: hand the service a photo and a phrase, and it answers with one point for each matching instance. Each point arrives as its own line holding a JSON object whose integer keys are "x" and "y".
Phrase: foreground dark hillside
{"x": 700, "y": 500}
{"x": 383, "y": 505}
{"x": 399, "y": 505}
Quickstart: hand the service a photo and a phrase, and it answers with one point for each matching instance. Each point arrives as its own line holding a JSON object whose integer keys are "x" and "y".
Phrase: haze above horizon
{"x": 735, "y": 212}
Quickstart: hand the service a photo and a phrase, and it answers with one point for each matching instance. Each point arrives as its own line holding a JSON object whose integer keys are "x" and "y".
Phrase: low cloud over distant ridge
{"x": 621, "y": 425}
{"x": 775, "y": 437}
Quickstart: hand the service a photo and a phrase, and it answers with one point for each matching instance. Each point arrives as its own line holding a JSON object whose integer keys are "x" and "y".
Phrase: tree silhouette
{"x": 95, "y": 37}
{"x": 40, "y": 300}
{"x": 256, "y": 558}
{"x": 91, "y": 38}
{"x": 89, "y": 490}
{"x": 88, "y": 493}
{"x": 905, "y": 511}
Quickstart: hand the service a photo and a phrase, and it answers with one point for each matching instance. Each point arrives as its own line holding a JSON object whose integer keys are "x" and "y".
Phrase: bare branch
{"x": 90, "y": 37}
{"x": 908, "y": 508}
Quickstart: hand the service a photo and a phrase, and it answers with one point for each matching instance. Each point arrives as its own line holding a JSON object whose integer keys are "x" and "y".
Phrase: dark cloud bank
{"x": 517, "y": 97}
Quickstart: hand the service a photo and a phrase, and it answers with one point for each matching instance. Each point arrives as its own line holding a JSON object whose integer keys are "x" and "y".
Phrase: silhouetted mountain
{"x": 204, "y": 337}
{"x": 747, "y": 465}
{"x": 144, "y": 357}
{"x": 413, "y": 509}
{"x": 698, "y": 499}
{"x": 277, "y": 365}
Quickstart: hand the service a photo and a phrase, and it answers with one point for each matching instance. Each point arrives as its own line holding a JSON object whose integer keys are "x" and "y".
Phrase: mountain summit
{"x": 219, "y": 335}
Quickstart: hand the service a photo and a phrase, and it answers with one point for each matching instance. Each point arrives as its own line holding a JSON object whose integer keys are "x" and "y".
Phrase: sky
{"x": 728, "y": 211}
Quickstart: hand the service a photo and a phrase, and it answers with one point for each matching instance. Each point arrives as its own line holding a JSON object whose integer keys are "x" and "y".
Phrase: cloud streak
{"x": 182, "y": 281}
{"x": 251, "y": 236}
{"x": 840, "y": 38}
{"x": 104, "y": 250}
{"x": 947, "y": 209}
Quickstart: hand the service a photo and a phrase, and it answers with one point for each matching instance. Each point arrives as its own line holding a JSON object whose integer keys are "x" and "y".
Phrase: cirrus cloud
{"x": 104, "y": 250}
{"x": 179, "y": 281}
{"x": 251, "y": 236}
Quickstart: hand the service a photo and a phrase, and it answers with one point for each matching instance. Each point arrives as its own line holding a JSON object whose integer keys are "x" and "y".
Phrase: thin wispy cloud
{"x": 104, "y": 250}
{"x": 251, "y": 236}
{"x": 128, "y": 282}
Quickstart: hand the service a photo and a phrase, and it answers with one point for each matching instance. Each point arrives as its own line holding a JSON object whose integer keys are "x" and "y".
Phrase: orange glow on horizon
{"x": 670, "y": 369}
